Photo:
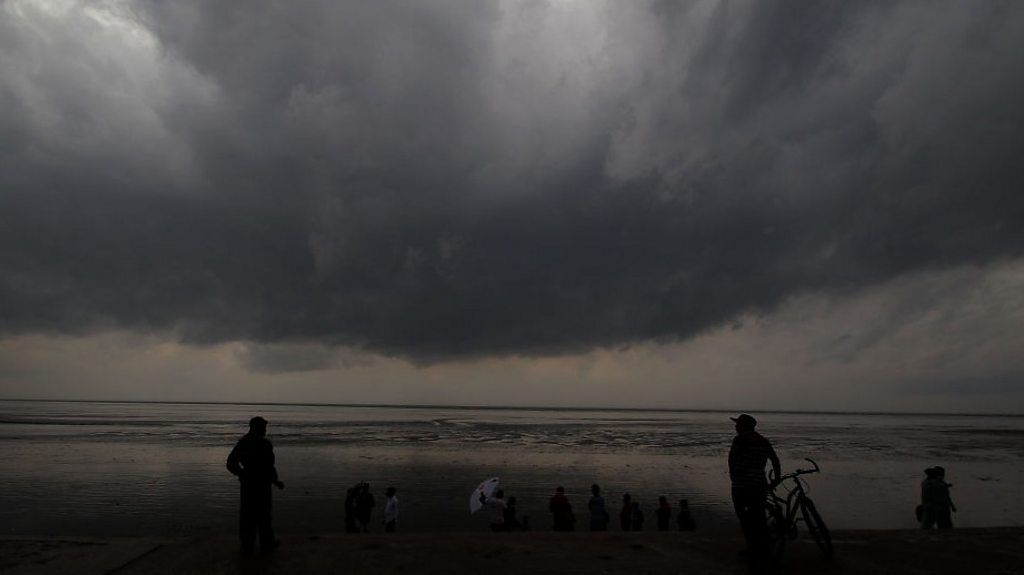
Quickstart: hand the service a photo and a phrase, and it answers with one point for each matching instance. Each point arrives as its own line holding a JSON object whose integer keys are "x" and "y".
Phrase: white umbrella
{"x": 487, "y": 488}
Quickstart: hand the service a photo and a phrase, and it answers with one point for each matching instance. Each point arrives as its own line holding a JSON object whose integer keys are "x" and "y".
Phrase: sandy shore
{"x": 998, "y": 550}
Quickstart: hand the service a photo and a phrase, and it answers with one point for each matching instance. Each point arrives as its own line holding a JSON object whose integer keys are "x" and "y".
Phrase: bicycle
{"x": 782, "y": 514}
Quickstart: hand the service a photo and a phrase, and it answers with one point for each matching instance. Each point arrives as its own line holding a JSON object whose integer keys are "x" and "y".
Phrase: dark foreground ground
{"x": 998, "y": 550}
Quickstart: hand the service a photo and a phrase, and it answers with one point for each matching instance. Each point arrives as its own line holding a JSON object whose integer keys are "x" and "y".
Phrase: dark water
{"x": 141, "y": 469}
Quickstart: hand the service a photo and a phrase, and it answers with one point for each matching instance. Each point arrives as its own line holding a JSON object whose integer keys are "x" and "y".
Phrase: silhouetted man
{"x": 351, "y": 524}
{"x": 747, "y": 458}
{"x": 663, "y": 513}
{"x": 252, "y": 461}
{"x": 364, "y": 506}
{"x": 598, "y": 513}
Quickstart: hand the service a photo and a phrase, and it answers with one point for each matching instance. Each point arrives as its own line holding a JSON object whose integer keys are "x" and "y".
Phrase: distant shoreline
{"x": 518, "y": 407}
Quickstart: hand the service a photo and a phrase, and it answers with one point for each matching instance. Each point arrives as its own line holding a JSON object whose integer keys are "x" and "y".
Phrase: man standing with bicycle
{"x": 748, "y": 456}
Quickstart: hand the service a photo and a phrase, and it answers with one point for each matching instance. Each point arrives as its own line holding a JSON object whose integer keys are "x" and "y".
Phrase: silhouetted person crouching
{"x": 252, "y": 461}
{"x": 512, "y": 522}
{"x": 936, "y": 504}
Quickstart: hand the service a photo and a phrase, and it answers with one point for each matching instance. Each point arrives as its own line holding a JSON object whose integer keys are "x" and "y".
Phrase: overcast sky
{"x": 717, "y": 204}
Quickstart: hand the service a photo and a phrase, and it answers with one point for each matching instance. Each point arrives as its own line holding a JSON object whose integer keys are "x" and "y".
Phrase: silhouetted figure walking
{"x": 664, "y": 513}
{"x": 626, "y": 514}
{"x": 936, "y": 504}
{"x": 748, "y": 456}
{"x": 598, "y": 514}
{"x": 561, "y": 511}
{"x": 364, "y": 507}
{"x": 684, "y": 520}
{"x": 252, "y": 461}
{"x": 390, "y": 510}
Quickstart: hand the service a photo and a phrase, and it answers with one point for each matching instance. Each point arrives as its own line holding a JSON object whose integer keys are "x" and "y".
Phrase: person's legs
{"x": 389, "y": 527}
{"x": 739, "y": 503}
{"x": 944, "y": 519}
{"x": 750, "y": 510}
{"x": 246, "y": 533}
{"x": 263, "y": 518}
{"x": 246, "y": 521}
{"x": 267, "y": 539}
{"x": 758, "y": 522}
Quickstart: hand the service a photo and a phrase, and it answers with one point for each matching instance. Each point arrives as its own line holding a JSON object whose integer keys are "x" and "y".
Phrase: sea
{"x": 126, "y": 469}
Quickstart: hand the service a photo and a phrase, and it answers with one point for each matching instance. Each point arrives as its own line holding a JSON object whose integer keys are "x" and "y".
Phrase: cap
{"x": 257, "y": 422}
{"x": 745, "y": 419}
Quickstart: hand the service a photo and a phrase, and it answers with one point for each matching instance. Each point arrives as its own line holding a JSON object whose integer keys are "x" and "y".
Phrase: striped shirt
{"x": 748, "y": 455}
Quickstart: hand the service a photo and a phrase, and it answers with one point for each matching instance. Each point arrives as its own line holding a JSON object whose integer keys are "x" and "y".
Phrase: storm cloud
{"x": 446, "y": 180}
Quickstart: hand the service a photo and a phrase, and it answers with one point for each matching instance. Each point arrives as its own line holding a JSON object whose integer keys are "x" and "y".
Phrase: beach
{"x": 960, "y": 551}
{"x": 152, "y": 469}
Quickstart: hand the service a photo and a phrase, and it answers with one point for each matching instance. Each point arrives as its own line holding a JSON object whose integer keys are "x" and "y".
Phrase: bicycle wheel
{"x": 777, "y": 531}
{"x": 816, "y": 526}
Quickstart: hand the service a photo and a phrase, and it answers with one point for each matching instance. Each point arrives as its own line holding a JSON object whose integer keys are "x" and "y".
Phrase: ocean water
{"x": 72, "y": 468}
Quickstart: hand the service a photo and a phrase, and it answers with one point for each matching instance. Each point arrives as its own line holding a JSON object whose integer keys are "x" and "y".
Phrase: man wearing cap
{"x": 252, "y": 461}
{"x": 748, "y": 455}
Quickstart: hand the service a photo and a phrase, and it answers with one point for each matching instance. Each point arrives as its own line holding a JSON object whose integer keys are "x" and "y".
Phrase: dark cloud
{"x": 459, "y": 179}
{"x": 1004, "y": 383}
{"x": 290, "y": 358}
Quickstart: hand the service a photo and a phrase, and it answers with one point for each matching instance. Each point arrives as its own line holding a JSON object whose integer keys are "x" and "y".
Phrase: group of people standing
{"x": 252, "y": 461}
{"x": 359, "y": 504}
{"x": 503, "y": 516}
{"x": 631, "y": 515}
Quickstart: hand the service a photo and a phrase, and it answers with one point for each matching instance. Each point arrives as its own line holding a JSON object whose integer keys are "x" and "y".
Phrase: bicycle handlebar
{"x": 815, "y": 470}
{"x": 800, "y": 471}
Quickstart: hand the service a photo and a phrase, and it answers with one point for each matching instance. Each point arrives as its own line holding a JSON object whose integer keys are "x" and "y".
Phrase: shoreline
{"x": 968, "y": 550}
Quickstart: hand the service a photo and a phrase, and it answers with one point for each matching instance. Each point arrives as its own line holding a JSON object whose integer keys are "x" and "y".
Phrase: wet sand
{"x": 996, "y": 550}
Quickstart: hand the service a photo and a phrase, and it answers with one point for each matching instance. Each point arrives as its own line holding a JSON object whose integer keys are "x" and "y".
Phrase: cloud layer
{"x": 462, "y": 179}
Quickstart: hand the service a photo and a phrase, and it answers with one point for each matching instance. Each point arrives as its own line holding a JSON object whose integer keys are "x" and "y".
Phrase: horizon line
{"x": 522, "y": 407}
